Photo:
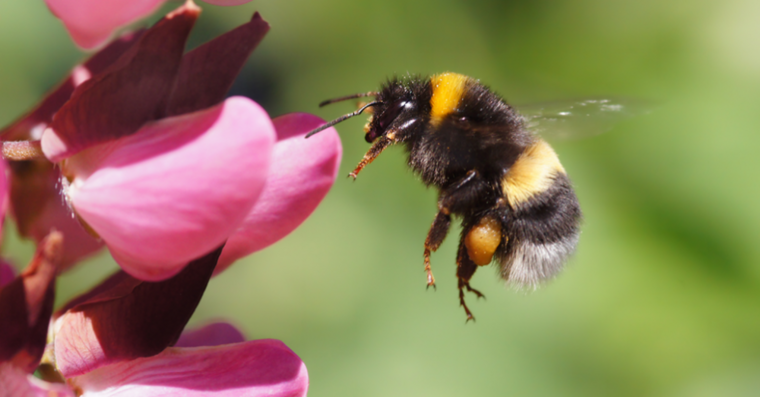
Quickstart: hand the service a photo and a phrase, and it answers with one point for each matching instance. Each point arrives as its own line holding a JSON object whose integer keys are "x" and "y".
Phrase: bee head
{"x": 389, "y": 116}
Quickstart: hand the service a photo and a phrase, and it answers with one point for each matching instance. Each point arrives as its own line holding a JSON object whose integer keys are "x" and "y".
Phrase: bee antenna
{"x": 347, "y": 97}
{"x": 341, "y": 118}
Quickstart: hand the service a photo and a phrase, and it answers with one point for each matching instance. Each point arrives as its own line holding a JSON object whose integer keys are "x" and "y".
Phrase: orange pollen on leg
{"x": 482, "y": 240}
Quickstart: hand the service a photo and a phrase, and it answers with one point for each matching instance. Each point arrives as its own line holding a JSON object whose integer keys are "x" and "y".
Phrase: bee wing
{"x": 575, "y": 119}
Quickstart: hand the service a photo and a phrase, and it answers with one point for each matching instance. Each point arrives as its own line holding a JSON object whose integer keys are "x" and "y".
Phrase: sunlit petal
{"x": 301, "y": 174}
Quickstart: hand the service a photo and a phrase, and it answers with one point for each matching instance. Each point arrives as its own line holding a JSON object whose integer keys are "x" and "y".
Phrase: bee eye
{"x": 391, "y": 112}
{"x": 463, "y": 118}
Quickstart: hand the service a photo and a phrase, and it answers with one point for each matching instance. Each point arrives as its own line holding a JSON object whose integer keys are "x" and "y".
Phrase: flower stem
{"x": 22, "y": 150}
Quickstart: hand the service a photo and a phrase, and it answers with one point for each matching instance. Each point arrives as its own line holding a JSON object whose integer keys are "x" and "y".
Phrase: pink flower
{"x": 92, "y": 22}
{"x": 172, "y": 177}
{"x": 158, "y": 168}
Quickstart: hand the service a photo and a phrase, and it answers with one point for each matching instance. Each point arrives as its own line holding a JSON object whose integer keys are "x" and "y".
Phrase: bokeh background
{"x": 663, "y": 295}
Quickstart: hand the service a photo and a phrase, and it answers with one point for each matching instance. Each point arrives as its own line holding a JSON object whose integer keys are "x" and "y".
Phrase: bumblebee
{"x": 506, "y": 184}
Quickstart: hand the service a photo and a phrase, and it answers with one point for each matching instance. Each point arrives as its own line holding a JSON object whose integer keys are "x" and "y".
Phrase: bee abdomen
{"x": 542, "y": 232}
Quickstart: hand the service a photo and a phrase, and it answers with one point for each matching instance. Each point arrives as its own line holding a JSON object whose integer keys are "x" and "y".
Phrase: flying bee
{"x": 505, "y": 183}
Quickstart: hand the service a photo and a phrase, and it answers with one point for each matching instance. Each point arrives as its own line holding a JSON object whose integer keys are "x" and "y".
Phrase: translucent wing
{"x": 574, "y": 119}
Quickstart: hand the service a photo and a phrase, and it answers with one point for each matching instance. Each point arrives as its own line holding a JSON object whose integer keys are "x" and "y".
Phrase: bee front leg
{"x": 438, "y": 231}
{"x": 374, "y": 151}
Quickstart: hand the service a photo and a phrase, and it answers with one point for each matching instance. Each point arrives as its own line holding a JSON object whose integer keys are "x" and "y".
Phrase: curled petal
{"x": 255, "y": 368}
{"x": 124, "y": 318}
{"x": 175, "y": 190}
{"x": 301, "y": 174}
{"x": 26, "y": 304}
{"x": 91, "y": 22}
{"x": 213, "y": 334}
{"x": 131, "y": 92}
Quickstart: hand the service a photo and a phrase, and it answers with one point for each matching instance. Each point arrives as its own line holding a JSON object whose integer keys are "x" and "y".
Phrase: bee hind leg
{"x": 465, "y": 270}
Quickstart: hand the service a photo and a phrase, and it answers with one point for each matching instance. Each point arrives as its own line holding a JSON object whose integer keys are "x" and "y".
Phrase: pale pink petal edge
{"x": 257, "y": 368}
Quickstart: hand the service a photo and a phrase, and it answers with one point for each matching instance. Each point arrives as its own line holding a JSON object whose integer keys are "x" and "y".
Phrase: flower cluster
{"x": 139, "y": 151}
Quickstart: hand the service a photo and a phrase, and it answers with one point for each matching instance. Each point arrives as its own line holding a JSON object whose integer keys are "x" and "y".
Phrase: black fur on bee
{"x": 507, "y": 185}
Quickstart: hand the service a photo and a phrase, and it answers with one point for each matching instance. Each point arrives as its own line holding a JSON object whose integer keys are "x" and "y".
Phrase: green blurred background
{"x": 663, "y": 295}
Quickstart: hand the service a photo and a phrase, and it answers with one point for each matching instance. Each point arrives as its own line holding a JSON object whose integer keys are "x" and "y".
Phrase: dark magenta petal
{"x": 207, "y": 72}
{"x": 26, "y": 304}
{"x": 7, "y": 273}
{"x": 213, "y": 334}
{"x": 31, "y": 125}
{"x": 38, "y": 207}
{"x": 134, "y": 90}
{"x": 4, "y": 192}
{"x": 250, "y": 369}
{"x": 131, "y": 319}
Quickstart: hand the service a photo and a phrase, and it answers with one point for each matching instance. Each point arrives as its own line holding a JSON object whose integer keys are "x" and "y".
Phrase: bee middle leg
{"x": 440, "y": 227}
{"x": 438, "y": 231}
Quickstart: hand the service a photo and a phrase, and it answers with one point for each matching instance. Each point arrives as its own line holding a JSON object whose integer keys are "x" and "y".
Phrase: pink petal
{"x": 26, "y": 304}
{"x": 92, "y": 22}
{"x": 134, "y": 90}
{"x": 301, "y": 174}
{"x": 256, "y": 368}
{"x": 175, "y": 190}
{"x": 7, "y": 272}
{"x": 16, "y": 383}
{"x": 227, "y": 2}
{"x": 213, "y": 334}
{"x": 208, "y": 71}
{"x": 124, "y": 318}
